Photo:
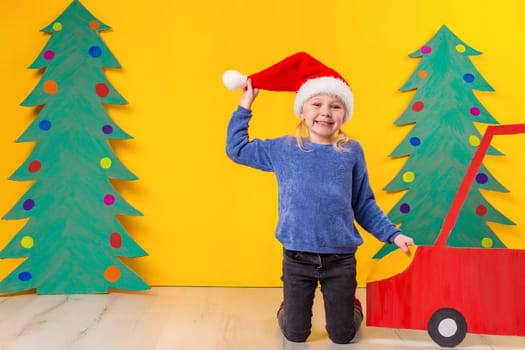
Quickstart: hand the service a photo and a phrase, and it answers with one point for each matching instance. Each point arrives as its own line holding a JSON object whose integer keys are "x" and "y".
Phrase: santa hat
{"x": 300, "y": 73}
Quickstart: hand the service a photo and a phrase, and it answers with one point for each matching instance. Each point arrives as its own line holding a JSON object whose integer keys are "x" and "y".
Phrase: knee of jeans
{"x": 296, "y": 337}
{"x": 342, "y": 338}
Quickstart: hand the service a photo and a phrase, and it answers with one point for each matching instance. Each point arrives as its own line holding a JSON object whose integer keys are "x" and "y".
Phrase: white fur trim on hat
{"x": 325, "y": 85}
{"x": 234, "y": 80}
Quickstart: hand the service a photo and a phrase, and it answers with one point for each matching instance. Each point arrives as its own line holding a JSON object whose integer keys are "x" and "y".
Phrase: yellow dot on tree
{"x": 105, "y": 163}
{"x": 57, "y": 26}
{"x": 27, "y": 242}
{"x": 486, "y": 242}
{"x": 474, "y": 140}
{"x": 409, "y": 176}
{"x": 460, "y": 48}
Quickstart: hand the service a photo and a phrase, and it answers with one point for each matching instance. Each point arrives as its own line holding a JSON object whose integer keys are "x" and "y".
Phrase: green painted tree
{"x": 72, "y": 239}
{"x": 440, "y": 146}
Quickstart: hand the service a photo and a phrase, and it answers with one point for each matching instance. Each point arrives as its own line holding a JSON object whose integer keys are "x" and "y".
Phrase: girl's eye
{"x": 336, "y": 106}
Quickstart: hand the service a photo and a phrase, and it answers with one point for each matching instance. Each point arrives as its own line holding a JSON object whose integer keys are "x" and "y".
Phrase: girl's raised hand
{"x": 248, "y": 95}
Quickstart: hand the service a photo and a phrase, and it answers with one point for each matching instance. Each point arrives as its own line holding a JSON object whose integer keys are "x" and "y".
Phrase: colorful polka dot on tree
{"x": 426, "y": 50}
{"x": 102, "y": 90}
{"x": 49, "y": 55}
{"x": 418, "y": 106}
{"x": 44, "y": 125}
{"x": 409, "y": 176}
{"x": 34, "y": 166}
{"x": 107, "y": 129}
{"x": 109, "y": 199}
{"x": 115, "y": 240}
{"x": 25, "y": 276}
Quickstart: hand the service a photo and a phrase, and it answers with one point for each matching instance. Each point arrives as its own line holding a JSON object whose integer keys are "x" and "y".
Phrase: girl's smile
{"x": 323, "y": 115}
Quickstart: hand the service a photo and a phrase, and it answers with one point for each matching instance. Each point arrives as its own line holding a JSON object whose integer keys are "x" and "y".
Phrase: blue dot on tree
{"x": 45, "y": 125}
{"x": 468, "y": 78}
{"x": 95, "y": 51}
{"x": 415, "y": 141}
{"x": 25, "y": 276}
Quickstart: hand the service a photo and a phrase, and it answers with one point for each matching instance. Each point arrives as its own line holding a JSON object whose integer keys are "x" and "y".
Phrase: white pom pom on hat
{"x": 234, "y": 80}
{"x": 300, "y": 73}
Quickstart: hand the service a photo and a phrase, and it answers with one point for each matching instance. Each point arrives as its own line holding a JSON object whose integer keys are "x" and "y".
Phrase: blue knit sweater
{"x": 321, "y": 190}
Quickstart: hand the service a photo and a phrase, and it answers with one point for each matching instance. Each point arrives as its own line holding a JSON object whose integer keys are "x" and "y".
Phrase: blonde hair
{"x": 301, "y": 132}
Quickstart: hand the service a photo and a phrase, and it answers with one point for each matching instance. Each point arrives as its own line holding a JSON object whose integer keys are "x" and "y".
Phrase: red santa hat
{"x": 300, "y": 73}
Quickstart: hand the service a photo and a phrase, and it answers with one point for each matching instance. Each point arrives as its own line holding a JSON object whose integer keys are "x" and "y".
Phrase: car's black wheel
{"x": 447, "y": 327}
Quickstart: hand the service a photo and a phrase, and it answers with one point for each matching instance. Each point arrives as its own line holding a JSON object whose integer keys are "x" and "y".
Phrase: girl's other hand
{"x": 403, "y": 242}
{"x": 248, "y": 95}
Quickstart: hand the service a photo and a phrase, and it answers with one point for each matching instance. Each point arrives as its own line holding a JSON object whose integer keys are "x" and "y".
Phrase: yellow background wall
{"x": 206, "y": 220}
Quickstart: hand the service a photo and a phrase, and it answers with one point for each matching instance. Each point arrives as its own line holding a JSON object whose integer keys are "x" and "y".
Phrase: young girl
{"x": 323, "y": 187}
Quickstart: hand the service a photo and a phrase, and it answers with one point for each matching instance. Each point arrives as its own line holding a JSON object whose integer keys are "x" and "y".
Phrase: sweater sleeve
{"x": 367, "y": 212}
{"x": 240, "y": 149}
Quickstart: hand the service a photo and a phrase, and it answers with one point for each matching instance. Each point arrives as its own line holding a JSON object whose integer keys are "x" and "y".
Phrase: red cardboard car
{"x": 454, "y": 291}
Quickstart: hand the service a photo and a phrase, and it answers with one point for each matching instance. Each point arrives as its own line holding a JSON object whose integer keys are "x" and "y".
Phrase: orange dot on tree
{"x": 422, "y": 74}
{"x": 94, "y": 25}
{"x": 112, "y": 274}
{"x": 50, "y": 87}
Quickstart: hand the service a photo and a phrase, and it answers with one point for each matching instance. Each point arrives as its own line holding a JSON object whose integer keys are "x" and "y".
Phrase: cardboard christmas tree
{"x": 442, "y": 140}
{"x": 72, "y": 239}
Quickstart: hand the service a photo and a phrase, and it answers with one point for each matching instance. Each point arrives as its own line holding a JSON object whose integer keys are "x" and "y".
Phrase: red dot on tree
{"x": 115, "y": 240}
{"x": 481, "y": 210}
{"x": 34, "y": 166}
{"x": 102, "y": 89}
{"x": 418, "y": 106}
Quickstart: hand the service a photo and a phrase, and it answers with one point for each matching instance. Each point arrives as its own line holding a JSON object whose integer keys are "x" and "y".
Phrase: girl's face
{"x": 323, "y": 115}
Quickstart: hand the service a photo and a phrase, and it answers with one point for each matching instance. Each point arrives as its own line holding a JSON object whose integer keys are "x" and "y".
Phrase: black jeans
{"x": 336, "y": 274}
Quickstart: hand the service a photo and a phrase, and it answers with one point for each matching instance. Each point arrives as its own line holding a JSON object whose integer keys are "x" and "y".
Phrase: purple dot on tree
{"x": 475, "y": 111}
{"x": 95, "y": 51}
{"x": 468, "y": 78}
{"x": 25, "y": 276}
{"x": 109, "y": 199}
{"x": 28, "y": 204}
{"x": 404, "y": 208}
{"x": 415, "y": 141}
{"x": 45, "y": 125}
{"x": 482, "y": 178}
{"x": 49, "y": 55}
{"x": 425, "y": 50}
{"x": 107, "y": 129}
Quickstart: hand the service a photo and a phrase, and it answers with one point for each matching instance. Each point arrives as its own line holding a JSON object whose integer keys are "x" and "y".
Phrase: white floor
{"x": 180, "y": 318}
